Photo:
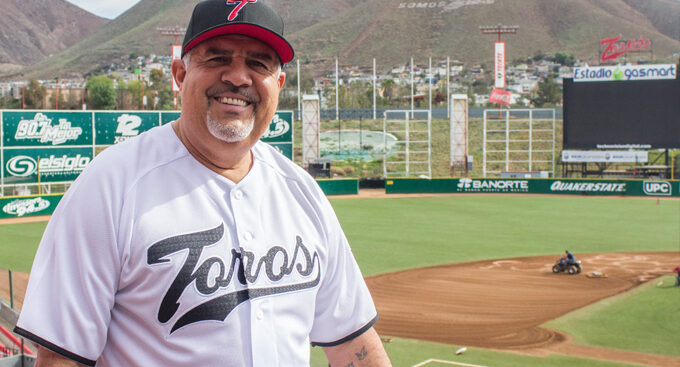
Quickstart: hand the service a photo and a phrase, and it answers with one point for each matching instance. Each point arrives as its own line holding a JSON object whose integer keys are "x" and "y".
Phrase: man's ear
{"x": 179, "y": 71}
{"x": 282, "y": 79}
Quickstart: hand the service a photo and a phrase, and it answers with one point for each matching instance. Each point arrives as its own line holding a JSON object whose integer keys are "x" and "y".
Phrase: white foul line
{"x": 446, "y": 362}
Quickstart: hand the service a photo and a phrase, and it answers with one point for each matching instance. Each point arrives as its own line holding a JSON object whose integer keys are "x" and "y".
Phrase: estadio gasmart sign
{"x": 624, "y": 73}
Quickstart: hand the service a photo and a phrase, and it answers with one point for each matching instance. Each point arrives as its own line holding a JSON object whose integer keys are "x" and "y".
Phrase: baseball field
{"x": 474, "y": 271}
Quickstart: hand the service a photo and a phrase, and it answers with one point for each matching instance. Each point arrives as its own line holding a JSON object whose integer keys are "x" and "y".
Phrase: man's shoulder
{"x": 133, "y": 157}
{"x": 272, "y": 158}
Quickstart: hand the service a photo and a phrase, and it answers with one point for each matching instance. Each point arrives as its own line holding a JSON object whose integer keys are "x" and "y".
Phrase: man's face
{"x": 230, "y": 88}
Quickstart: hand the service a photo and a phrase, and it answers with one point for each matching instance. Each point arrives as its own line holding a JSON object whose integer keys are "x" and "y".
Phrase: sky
{"x": 105, "y": 8}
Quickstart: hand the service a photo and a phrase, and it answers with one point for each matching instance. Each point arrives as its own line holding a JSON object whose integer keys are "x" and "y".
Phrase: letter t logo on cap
{"x": 241, "y": 4}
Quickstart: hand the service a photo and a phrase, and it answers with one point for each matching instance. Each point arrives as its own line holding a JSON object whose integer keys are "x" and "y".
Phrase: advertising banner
{"x": 44, "y": 164}
{"x": 624, "y": 73}
{"x": 500, "y": 96}
{"x": 116, "y": 127}
{"x": 43, "y": 128}
{"x": 48, "y": 146}
{"x": 26, "y": 206}
{"x": 499, "y": 65}
{"x": 280, "y": 133}
{"x": 167, "y": 117}
{"x": 613, "y": 156}
{"x": 658, "y": 188}
{"x": 650, "y": 188}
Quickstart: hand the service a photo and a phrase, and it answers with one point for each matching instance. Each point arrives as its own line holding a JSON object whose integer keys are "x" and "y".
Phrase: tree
{"x": 157, "y": 79}
{"x": 101, "y": 94}
{"x": 10, "y": 103}
{"x": 389, "y": 89}
{"x": 547, "y": 93}
{"x": 35, "y": 94}
{"x": 134, "y": 90}
{"x": 564, "y": 58}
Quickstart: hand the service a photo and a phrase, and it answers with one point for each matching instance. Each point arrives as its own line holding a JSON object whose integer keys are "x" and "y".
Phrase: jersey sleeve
{"x": 75, "y": 272}
{"x": 344, "y": 307}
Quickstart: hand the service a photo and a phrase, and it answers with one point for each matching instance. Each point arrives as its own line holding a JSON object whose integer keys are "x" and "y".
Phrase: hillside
{"x": 574, "y": 26}
{"x": 393, "y": 31}
{"x": 32, "y": 30}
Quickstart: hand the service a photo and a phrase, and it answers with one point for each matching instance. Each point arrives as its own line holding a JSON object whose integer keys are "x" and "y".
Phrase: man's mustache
{"x": 242, "y": 92}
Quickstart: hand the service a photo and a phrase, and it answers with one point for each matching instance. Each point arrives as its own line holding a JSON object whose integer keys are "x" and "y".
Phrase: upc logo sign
{"x": 657, "y": 188}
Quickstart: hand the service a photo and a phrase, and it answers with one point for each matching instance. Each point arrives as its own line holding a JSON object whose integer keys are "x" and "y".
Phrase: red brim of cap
{"x": 276, "y": 42}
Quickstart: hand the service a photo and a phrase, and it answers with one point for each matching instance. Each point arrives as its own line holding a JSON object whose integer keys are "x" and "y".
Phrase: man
{"x": 195, "y": 244}
{"x": 677, "y": 278}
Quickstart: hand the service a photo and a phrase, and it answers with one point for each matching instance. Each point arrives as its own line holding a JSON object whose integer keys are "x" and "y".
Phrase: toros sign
{"x": 615, "y": 47}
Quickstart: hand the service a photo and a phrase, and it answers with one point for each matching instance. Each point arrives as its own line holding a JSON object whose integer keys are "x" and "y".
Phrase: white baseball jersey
{"x": 152, "y": 259}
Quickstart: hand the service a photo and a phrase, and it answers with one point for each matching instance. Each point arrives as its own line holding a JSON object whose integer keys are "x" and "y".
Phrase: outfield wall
{"x": 34, "y": 205}
{"x": 648, "y": 188}
{"x": 53, "y": 147}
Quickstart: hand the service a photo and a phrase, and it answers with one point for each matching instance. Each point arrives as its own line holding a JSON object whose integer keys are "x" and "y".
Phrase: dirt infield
{"x": 500, "y": 304}
{"x": 497, "y": 304}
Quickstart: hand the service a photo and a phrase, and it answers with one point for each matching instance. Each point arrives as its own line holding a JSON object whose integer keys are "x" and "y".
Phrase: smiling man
{"x": 195, "y": 244}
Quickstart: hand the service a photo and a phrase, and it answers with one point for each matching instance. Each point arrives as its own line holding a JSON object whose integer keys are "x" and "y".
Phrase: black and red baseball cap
{"x": 253, "y": 18}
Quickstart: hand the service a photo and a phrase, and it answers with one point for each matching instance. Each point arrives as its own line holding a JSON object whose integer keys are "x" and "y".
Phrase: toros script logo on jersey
{"x": 241, "y": 273}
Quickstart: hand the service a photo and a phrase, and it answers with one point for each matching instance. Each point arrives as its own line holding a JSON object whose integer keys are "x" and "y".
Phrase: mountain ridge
{"x": 393, "y": 31}
{"x": 32, "y": 30}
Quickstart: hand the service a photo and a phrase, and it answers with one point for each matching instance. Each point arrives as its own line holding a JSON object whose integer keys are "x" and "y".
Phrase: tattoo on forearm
{"x": 351, "y": 364}
{"x": 362, "y": 353}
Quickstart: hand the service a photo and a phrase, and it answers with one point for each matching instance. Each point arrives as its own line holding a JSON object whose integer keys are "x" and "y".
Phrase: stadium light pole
{"x": 299, "y": 95}
{"x": 56, "y": 103}
{"x": 448, "y": 88}
{"x": 375, "y": 81}
{"x": 174, "y": 32}
{"x": 337, "y": 90}
{"x": 499, "y": 30}
{"x": 23, "y": 93}
{"x": 412, "y": 89}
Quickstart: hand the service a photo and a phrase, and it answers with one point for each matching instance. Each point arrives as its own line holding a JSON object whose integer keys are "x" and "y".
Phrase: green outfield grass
{"x": 18, "y": 243}
{"x": 399, "y": 233}
{"x": 645, "y": 319}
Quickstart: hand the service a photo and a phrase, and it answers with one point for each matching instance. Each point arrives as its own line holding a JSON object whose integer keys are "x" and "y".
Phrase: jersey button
{"x": 259, "y": 315}
{"x": 238, "y": 195}
{"x": 248, "y": 236}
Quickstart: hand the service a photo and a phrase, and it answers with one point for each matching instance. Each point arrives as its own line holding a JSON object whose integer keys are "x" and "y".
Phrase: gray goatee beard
{"x": 229, "y": 133}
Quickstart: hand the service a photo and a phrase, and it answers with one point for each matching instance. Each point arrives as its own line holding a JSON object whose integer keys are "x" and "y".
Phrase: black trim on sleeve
{"x": 350, "y": 336}
{"x": 56, "y": 349}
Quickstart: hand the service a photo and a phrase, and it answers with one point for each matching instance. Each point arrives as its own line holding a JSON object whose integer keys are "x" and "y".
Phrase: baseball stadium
{"x": 460, "y": 268}
{"x": 462, "y": 217}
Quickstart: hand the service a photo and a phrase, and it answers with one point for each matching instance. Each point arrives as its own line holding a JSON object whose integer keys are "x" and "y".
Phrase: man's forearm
{"x": 364, "y": 350}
